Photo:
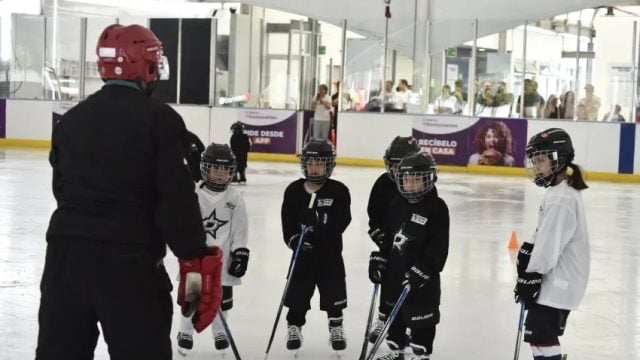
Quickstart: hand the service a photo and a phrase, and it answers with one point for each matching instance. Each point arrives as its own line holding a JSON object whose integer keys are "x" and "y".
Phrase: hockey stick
{"x": 226, "y": 329}
{"x": 390, "y": 319}
{"x": 372, "y": 309}
{"x": 286, "y": 286}
{"x": 520, "y": 325}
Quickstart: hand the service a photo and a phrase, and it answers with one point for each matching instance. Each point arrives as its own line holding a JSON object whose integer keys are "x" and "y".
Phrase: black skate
{"x": 376, "y": 329}
{"x": 185, "y": 343}
{"x": 394, "y": 355}
{"x": 294, "y": 337}
{"x": 220, "y": 341}
{"x": 336, "y": 334}
{"x": 419, "y": 352}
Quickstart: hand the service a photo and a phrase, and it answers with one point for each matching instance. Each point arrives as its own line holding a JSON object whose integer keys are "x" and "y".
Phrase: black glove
{"x": 307, "y": 241}
{"x": 377, "y": 267}
{"x": 415, "y": 277}
{"x": 309, "y": 217}
{"x": 527, "y": 287}
{"x": 239, "y": 262}
{"x": 528, "y": 283}
{"x": 377, "y": 235}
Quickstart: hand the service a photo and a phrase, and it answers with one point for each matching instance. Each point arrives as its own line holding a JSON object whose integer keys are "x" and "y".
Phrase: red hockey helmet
{"x": 129, "y": 53}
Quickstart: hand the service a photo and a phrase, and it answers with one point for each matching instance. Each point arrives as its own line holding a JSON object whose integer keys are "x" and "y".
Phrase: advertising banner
{"x": 271, "y": 131}
{"x": 458, "y": 140}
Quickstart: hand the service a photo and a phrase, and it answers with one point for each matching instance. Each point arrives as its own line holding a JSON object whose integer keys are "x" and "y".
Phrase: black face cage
{"x": 391, "y": 164}
{"x": 555, "y": 166}
{"x": 217, "y": 184}
{"x": 329, "y": 163}
{"x": 428, "y": 181}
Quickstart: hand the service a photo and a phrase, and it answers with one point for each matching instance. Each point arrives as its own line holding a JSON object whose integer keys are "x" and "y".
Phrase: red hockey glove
{"x": 200, "y": 289}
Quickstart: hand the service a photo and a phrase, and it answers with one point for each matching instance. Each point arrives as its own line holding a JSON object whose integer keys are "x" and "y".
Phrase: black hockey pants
{"x": 120, "y": 286}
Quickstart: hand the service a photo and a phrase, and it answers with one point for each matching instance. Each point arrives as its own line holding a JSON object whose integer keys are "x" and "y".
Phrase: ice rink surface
{"x": 479, "y": 316}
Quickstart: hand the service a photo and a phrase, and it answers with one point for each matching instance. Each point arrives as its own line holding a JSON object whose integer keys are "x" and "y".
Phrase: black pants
{"x": 118, "y": 285}
{"x": 326, "y": 272}
{"x": 421, "y": 337}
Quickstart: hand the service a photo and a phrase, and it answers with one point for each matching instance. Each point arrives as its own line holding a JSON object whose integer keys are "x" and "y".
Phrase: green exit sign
{"x": 452, "y": 52}
{"x": 322, "y": 50}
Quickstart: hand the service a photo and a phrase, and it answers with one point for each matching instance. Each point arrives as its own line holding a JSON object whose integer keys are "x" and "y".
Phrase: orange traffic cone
{"x": 513, "y": 242}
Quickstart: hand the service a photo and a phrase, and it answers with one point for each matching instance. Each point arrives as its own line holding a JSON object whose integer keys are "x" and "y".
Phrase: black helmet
{"x": 553, "y": 144}
{"x": 237, "y": 127}
{"x": 399, "y": 148}
{"x": 420, "y": 166}
{"x": 319, "y": 151}
{"x": 217, "y": 157}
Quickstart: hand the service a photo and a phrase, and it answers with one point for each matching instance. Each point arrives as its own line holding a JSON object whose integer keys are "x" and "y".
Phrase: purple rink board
{"x": 3, "y": 118}
{"x": 270, "y": 131}
{"x": 458, "y": 140}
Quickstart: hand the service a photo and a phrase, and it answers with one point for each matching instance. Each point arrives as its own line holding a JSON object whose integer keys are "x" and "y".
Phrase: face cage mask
{"x": 216, "y": 184}
{"x": 389, "y": 164}
{"x": 427, "y": 178}
{"x": 328, "y": 162}
{"x": 555, "y": 167}
{"x": 164, "y": 71}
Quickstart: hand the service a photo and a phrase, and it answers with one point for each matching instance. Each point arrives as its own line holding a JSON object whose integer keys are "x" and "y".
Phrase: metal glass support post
{"x": 83, "y": 57}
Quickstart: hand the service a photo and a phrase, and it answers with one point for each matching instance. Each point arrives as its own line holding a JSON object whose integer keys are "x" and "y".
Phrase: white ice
{"x": 479, "y": 317}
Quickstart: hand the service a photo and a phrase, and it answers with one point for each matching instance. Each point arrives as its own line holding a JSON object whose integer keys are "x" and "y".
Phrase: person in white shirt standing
{"x": 224, "y": 216}
{"x": 553, "y": 268}
{"x": 322, "y": 116}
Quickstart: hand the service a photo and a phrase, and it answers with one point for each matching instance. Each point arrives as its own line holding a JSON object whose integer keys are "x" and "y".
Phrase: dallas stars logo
{"x": 212, "y": 224}
{"x": 401, "y": 238}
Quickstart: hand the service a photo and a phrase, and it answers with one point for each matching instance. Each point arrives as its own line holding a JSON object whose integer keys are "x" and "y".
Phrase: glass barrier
{"x": 25, "y": 58}
{"x": 578, "y": 66}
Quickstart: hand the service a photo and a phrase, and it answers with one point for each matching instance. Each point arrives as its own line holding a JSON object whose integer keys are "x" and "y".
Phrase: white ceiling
{"x": 451, "y": 19}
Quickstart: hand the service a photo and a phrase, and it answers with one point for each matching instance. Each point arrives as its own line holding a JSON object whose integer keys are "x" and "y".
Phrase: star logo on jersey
{"x": 212, "y": 224}
{"x": 401, "y": 238}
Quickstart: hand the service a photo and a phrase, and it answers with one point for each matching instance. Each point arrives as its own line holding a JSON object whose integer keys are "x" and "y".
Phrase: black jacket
{"x": 333, "y": 205}
{"x": 120, "y": 174}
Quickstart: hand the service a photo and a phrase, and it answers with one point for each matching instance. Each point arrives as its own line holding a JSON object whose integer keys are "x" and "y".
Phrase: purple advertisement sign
{"x": 3, "y": 118}
{"x": 270, "y": 131}
{"x": 454, "y": 140}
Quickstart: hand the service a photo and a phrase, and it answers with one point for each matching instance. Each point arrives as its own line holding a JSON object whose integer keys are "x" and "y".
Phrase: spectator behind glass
{"x": 590, "y": 103}
{"x": 486, "y": 98}
{"x": 567, "y": 105}
{"x": 402, "y": 96}
{"x": 459, "y": 93}
{"x": 446, "y": 103}
{"x": 493, "y": 145}
{"x": 551, "y": 110}
{"x": 503, "y": 97}
{"x": 615, "y": 116}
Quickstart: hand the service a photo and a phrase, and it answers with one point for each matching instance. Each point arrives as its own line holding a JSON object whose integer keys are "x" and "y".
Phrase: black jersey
{"x": 240, "y": 146}
{"x": 383, "y": 191}
{"x": 419, "y": 236}
{"x": 120, "y": 174}
{"x": 333, "y": 203}
{"x": 194, "y": 148}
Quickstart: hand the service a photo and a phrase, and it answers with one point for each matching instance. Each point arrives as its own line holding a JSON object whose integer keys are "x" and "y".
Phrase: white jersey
{"x": 224, "y": 216}
{"x": 561, "y": 248}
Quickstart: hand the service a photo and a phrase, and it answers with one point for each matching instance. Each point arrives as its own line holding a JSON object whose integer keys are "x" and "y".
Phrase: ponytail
{"x": 575, "y": 178}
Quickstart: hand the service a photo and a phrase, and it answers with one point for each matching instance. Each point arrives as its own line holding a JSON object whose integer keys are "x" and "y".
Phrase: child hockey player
{"x": 382, "y": 192}
{"x": 240, "y": 145}
{"x": 225, "y": 223}
{"x": 553, "y": 268}
{"x": 320, "y": 262}
{"x": 418, "y": 245}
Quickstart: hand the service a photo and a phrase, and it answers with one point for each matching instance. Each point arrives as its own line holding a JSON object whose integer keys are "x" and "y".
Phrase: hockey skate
{"x": 220, "y": 341}
{"x": 185, "y": 343}
{"x": 419, "y": 352}
{"x": 376, "y": 329}
{"x": 294, "y": 338}
{"x": 394, "y": 355}
{"x": 336, "y": 335}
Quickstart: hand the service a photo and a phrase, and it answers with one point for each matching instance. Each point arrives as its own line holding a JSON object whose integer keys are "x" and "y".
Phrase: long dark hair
{"x": 575, "y": 178}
